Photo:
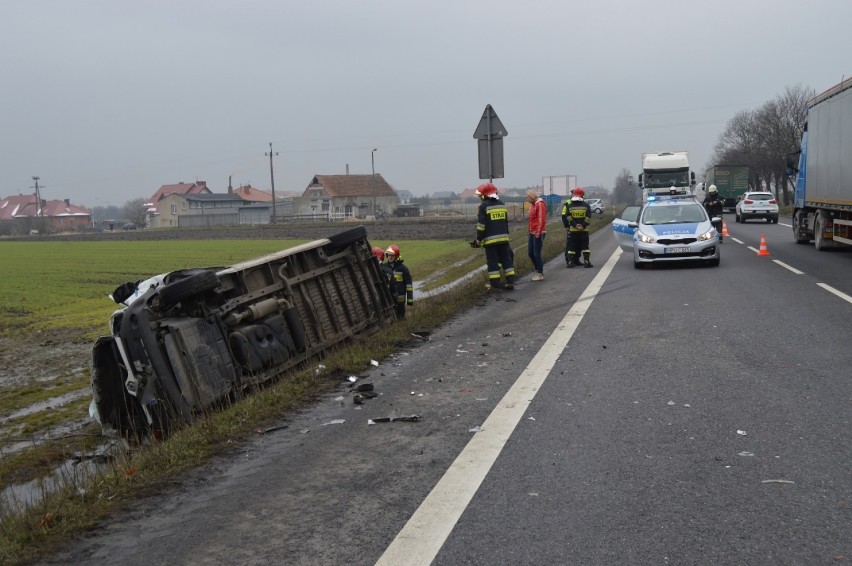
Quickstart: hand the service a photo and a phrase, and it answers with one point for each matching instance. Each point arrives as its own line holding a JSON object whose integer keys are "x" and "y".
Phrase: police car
{"x": 668, "y": 228}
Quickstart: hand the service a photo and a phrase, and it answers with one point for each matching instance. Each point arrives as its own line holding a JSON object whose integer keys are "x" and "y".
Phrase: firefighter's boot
{"x": 586, "y": 262}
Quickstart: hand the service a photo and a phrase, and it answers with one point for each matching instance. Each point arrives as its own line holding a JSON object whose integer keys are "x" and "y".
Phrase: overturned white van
{"x": 194, "y": 339}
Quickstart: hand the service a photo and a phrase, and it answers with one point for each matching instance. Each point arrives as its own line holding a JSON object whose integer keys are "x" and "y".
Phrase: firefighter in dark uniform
{"x": 401, "y": 285}
{"x": 576, "y": 217}
{"x": 492, "y": 233}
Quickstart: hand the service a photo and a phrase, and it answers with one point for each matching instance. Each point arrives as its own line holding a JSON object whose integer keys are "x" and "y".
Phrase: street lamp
{"x": 373, "y": 159}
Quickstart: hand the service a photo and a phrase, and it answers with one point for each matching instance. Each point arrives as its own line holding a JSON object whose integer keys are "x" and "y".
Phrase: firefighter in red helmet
{"x": 576, "y": 217}
{"x": 492, "y": 233}
{"x": 401, "y": 285}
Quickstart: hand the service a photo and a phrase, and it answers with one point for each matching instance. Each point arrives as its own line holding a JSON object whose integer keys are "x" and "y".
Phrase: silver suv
{"x": 596, "y": 205}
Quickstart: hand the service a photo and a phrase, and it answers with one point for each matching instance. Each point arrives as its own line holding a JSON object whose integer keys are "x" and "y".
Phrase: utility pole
{"x": 38, "y": 197}
{"x": 272, "y": 179}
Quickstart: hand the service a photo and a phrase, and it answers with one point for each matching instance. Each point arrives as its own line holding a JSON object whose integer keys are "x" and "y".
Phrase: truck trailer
{"x": 731, "y": 182}
{"x": 822, "y": 208}
{"x": 666, "y": 173}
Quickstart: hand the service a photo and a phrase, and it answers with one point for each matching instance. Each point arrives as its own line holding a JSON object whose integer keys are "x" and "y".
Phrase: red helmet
{"x": 379, "y": 253}
{"x": 392, "y": 250}
{"x": 578, "y": 192}
{"x": 486, "y": 190}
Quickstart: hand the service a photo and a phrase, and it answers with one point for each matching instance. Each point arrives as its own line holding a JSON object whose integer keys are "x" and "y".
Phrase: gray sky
{"x": 106, "y": 100}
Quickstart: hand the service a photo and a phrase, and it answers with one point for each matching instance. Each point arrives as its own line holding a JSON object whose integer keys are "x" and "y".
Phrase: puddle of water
{"x": 47, "y": 404}
{"x": 18, "y": 497}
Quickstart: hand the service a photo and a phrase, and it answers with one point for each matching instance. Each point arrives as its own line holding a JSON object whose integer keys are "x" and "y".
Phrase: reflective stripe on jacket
{"x": 492, "y": 222}
{"x": 576, "y": 215}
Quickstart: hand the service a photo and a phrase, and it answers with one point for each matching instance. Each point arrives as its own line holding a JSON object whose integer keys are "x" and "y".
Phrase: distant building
{"x": 154, "y": 207}
{"x": 59, "y": 215}
{"x": 338, "y": 197}
{"x": 183, "y": 210}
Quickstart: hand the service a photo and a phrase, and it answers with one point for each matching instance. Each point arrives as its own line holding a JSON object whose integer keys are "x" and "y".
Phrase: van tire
{"x": 195, "y": 284}
{"x": 344, "y": 239}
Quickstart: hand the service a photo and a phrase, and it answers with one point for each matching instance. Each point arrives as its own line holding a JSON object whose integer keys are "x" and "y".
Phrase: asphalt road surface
{"x": 683, "y": 415}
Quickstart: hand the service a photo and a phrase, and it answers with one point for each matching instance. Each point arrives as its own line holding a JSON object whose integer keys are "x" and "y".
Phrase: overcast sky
{"x": 107, "y": 100}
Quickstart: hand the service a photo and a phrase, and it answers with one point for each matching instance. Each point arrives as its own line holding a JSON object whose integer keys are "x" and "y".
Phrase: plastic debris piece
{"x": 422, "y": 335}
{"x": 320, "y": 369}
{"x": 340, "y": 398}
{"x": 270, "y": 429}
{"x": 374, "y": 362}
{"x": 334, "y": 421}
{"x": 776, "y": 481}
{"x": 670, "y": 403}
{"x": 462, "y": 351}
{"x": 744, "y": 453}
{"x": 475, "y": 429}
{"x": 741, "y": 432}
{"x": 352, "y": 378}
{"x": 305, "y": 430}
{"x": 530, "y": 418}
{"x": 408, "y": 419}
{"x": 370, "y": 421}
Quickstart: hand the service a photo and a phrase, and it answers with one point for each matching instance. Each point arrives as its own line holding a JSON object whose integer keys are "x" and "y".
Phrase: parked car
{"x": 128, "y": 226}
{"x": 674, "y": 229}
{"x": 759, "y": 204}
{"x": 596, "y": 205}
{"x": 187, "y": 341}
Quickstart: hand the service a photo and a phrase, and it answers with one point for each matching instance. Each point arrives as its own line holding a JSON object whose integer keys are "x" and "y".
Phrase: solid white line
{"x": 426, "y": 531}
{"x": 790, "y": 267}
{"x": 840, "y": 294}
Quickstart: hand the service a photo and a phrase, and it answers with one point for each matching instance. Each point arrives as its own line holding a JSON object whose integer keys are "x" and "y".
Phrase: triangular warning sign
{"x": 489, "y": 125}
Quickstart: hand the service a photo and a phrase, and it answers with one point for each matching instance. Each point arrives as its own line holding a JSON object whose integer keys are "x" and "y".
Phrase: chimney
{"x": 230, "y": 188}
{"x": 68, "y": 202}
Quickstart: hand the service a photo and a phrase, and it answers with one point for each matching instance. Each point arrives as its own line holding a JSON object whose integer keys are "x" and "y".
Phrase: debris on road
{"x": 270, "y": 429}
{"x": 335, "y": 421}
{"x": 408, "y": 419}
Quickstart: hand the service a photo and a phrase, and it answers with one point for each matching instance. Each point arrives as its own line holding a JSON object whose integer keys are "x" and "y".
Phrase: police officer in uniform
{"x": 492, "y": 233}
{"x": 576, "y": 217}
{"x": 715, "y": 207}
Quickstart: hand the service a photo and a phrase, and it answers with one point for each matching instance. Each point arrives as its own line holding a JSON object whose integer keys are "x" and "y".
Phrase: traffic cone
{"x": 725, "y": 229}
{"x": 763, "y": 249}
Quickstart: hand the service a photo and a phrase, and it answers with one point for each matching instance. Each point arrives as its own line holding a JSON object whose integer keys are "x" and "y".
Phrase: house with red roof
{"x": 339, "y": 197}
{"x": 24, "y": 214}
{"x": 154, "y": 204}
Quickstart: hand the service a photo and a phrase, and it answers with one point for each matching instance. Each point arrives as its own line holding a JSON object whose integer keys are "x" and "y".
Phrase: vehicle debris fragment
{"x": 407, "y": 419}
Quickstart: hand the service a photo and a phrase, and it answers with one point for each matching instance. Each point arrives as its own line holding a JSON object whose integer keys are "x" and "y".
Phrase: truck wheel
{"x": 819, "y": 240}
{"x": 195, "y": 284}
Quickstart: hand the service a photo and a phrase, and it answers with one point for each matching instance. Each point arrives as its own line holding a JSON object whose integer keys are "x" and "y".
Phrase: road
{"x": 603, "y": 416}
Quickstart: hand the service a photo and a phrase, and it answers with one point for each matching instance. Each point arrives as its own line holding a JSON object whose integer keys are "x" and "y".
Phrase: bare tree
{"x": 624, "y": 192}
{"x": 135, "y": 211}
{"x": 762, "y": 138}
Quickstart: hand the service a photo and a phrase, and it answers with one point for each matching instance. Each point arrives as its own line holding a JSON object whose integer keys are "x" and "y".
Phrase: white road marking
{"x": 834, "y": 291}
{"x": 790, "y": 267}
{"x": 426, "y": 531}
{"x": 755, "y": 250}
{"x": 736, "y": 240}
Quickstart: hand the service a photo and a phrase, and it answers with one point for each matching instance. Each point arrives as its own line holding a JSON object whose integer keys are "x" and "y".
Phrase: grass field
{"x": 65, "y": 285}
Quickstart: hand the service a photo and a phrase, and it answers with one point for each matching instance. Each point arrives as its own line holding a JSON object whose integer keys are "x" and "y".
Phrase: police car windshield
{"x": 673, "y": 214}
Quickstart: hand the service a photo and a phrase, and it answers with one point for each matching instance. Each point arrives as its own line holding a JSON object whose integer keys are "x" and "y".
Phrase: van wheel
{"x": 346, "y": 238}
{"x": 195, "y": 284}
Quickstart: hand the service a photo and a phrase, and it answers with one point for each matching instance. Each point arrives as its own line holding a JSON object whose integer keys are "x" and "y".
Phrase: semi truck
{"x": 731, "y": 182}
{"x": 822, "y": 207}
{"x": 666, "y": 173}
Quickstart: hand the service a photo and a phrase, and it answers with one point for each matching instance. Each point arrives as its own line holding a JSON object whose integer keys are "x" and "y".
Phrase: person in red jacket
{"x": 537, "y": 231}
